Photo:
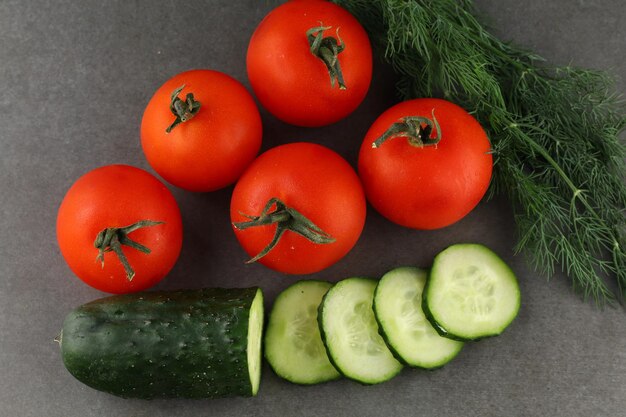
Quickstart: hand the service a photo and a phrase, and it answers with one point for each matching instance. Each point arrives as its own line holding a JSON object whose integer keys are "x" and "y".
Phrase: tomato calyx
{"x": 112, "y": 239}
{"x": 417, "y": 129}
{"x": 286, "y": 218}
{"x": 184, "y": 110}
{"x": 327, "y": 49}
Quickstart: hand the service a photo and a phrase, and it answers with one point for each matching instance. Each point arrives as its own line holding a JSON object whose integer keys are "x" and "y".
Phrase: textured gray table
{"x": 74, "y": 79}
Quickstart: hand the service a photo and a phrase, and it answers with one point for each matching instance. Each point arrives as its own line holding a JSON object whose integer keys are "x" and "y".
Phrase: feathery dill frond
{"x": 555, "y": 132}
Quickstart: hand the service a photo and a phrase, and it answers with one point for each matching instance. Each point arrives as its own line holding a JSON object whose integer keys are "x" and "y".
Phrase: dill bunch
{"x": 555, "y": 132}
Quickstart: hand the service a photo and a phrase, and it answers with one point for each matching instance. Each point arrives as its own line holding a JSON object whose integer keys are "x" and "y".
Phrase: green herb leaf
{"x": 555, "y": 132}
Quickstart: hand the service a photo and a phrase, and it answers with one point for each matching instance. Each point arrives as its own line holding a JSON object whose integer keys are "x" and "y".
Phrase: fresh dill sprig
{"x": 555, "y": 132}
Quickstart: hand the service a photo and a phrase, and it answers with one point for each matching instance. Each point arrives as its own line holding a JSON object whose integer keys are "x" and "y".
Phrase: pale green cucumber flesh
{"x": 350, "y": 333}
{"x": 255, "y": 336}
{"x": 405, "y": 328}
{"x": 471, "y": 293}
{"x": 293, "y": 345}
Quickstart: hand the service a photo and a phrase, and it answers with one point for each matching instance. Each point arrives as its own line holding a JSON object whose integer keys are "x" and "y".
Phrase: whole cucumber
{"x": 164, "y": 344}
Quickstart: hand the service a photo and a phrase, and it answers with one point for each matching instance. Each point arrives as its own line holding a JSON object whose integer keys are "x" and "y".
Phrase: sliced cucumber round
{"x": 293, "y": 345}
{"x": 471, "y": 293}
{"x": 409, "y": 335}
{"x": 350, "y": 333}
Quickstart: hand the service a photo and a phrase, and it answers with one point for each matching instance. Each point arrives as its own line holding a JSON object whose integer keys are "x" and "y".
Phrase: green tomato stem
{"x": 417, "y": 129}
{"x": 327, "y": 49}
{"x": 111, "y": 239}
{"x": 183, "y": 110}
{"x": 286, "y": 219}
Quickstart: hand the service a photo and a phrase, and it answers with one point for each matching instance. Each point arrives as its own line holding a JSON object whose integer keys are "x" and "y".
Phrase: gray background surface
{"x": 74, "y": 79}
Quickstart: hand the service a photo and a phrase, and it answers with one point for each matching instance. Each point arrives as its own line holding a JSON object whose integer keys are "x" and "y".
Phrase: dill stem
{"x": 578, "y": 193}
{"x": 571, "y": 213}
{"x": 516, "y": 62}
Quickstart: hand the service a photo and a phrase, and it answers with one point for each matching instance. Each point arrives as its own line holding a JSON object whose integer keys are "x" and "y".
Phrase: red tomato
{"x": 117, "y": 196}
{"x": 317, "y": 183}
{"x": 294, "y": 84}
{"x": 431, "y": 186}
{"x": 215, "y": 144}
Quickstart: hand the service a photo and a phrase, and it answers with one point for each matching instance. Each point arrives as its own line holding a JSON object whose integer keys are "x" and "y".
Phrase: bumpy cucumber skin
{"x": 438, "y": 327}
{"x": 390, "y": 346}
{"x": 328, "y": 352}
{"x": 165, "y": 344}
{"x": 315, "y": 382}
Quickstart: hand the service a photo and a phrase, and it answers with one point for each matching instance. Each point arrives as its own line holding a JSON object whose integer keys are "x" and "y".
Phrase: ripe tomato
{"x": 217, "y": 140}
{"x": 283, "y": 189}
{"x": 429, "y": 186}
{"x": 296, "y": 85}
{"x": 117, "y": 196}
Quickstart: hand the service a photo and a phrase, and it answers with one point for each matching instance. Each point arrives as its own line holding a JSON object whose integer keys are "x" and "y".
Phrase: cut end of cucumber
{"x": 471, "y": 293}
{"x": 255, "y": 333}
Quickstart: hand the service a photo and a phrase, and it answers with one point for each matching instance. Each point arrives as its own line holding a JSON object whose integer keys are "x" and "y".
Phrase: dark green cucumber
{"x": 188, "y": 343}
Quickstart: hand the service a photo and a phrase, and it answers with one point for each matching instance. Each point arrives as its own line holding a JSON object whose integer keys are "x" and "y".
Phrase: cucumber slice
{"x": 471, "y": 293}
{"x": 350, "y": 333}
{"x": 409, "y": 335}
{"x": 293, "y": 345}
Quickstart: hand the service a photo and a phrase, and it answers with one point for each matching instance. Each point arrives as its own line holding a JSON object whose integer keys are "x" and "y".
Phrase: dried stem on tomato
{"x": 184, "y": 110}
{"x": 286, "y": 219}
{"x": 418, "y": 130}
{"x": 327, "y": 49}
{"x": 112, "y": 239}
